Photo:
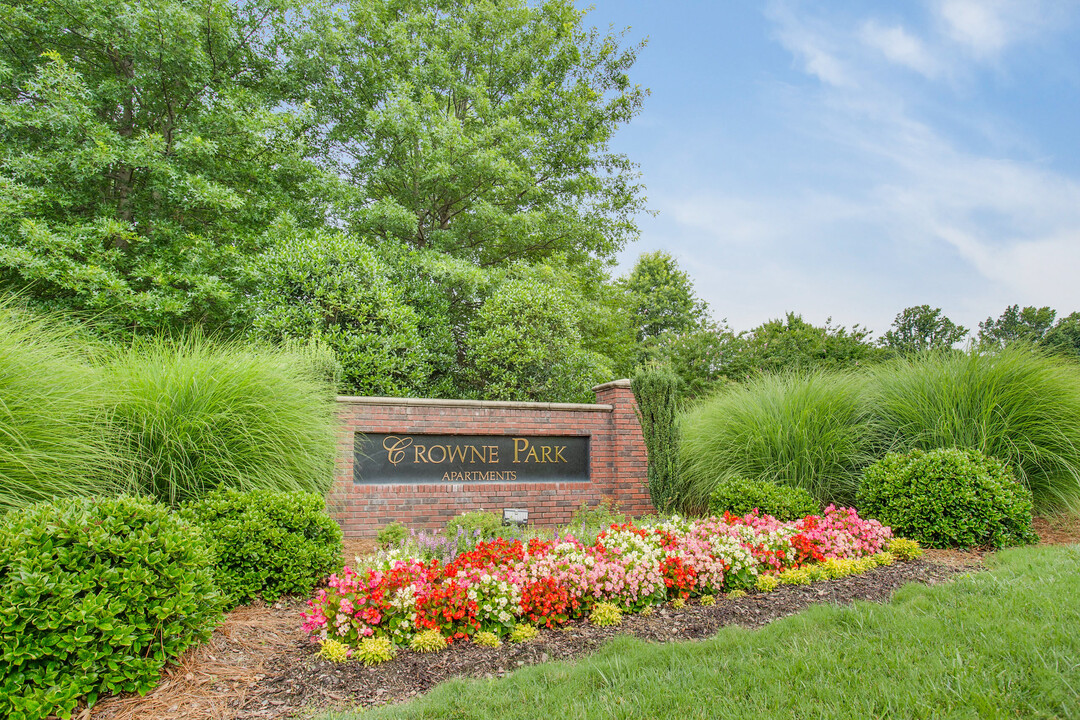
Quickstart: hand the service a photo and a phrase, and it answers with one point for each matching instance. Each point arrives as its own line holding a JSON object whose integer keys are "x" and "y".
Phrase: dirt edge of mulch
{"x": 259, "y": 664}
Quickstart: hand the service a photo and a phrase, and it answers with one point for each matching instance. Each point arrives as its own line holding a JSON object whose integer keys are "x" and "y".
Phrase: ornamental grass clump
{"x": 605, "y": 614}
{"x": 50, "y": 401}
{"x": 1017, "y": 405}
{"x": 96, "y": 595}
{"x": 708, "y": 600}
{"x": 191, "y": 416}
{"x": 805, "y": 430}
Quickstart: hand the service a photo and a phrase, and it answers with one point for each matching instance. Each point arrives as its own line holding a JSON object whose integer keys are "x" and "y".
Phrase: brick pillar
{"x": 630, "y": 485}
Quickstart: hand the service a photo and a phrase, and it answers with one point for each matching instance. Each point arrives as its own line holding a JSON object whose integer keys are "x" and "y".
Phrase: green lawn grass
{"x": 998, "y": 644}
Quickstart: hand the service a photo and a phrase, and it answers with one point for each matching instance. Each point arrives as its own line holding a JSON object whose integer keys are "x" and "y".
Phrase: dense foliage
{"x": 1015, "y": 405}
{"x": 477, "y": 128}
{"x": 656, "y": 392}
{"x": 170, "y": 419}
{"x": 738, "y": 496}
{"x": 143, "y": 150}
{"x": 332, "y": 287}
{"x": 948, "y": 498}
{"x": 192, "y": 415}
{"x": 50, "y": 401}
{"x": 95, "y": 597}
{"x": 266, "y": 544}
{"x": 806, "y": 430}
{"x": 922, "y": 329}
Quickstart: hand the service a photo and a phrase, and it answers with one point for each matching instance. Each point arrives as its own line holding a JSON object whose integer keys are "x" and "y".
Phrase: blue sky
{"x": 851, "y": 159}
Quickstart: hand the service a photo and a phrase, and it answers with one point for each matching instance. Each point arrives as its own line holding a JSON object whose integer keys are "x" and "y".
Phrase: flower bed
{"x": 502, "y": 584}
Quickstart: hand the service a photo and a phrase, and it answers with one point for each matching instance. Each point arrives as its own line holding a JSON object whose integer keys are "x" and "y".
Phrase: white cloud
{"x": 986, "y": 28}
{"x": 900, "y": 47}
{"x": 978, "y": 24}
{"x": 811, "y": 47}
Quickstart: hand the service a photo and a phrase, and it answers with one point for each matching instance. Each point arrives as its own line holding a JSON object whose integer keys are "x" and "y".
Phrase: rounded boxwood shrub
{"x": 95, "y": 596}
{"x": 739, "y": 496}
{"x": 267, "y": 544}
{"x": 948, "y": 498}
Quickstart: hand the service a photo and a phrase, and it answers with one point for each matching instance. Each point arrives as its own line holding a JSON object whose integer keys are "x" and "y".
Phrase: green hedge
{"x": 739, "y": 496}
{"x": 948, "y": 498}
{"x": 95, "y": 596}
{"x": 267, "y": 544}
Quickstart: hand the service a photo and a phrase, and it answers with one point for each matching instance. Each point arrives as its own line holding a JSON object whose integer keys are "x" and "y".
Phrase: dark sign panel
{"x": 384, "y": 459}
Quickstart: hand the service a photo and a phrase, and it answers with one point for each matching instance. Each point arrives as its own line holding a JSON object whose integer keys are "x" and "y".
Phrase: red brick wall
{"x": 616, "y": 460}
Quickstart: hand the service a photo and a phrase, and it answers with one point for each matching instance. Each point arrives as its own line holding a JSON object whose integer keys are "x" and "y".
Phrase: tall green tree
{"x": 143, "y": 150}
{"x": 921, "y": 328}
{"x": 1029, "y": 325}
{"x": 1064, "y": 337}
{"x": 662, "y": 297}
{"x": 476, "y": 128}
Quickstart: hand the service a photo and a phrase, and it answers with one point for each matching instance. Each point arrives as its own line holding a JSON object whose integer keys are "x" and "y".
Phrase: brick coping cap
{"x": 508, "y": 404}
{"x": 612, "y": 384}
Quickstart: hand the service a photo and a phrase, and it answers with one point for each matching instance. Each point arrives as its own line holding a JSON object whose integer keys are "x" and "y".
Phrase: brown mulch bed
{"x": 259, "y": 663}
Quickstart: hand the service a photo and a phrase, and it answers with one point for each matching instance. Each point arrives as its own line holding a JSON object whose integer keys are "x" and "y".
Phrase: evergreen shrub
{"x": 739, "y": 496}
{"x": 96, "y": 595}
{"x": 656, "y": 390}
{"x": 267, "y": 544}
{"x": 948, "y": 498}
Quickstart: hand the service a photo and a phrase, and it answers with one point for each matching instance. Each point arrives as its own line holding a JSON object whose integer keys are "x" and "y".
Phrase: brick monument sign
{"x": 421, "y": 462}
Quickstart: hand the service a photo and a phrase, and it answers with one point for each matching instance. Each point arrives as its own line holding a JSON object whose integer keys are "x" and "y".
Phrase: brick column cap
{"x": 611, "y": 385}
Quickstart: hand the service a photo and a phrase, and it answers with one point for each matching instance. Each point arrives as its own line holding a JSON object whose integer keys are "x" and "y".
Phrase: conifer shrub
{"x": 656, "y": 390}
{"x": 96, "y": 595}
{"x": 267, "y": 544}
{"x": 948, "y": 498}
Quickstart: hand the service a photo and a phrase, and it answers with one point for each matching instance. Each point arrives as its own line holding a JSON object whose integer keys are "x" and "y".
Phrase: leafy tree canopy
{"x": 792, "y": 343}
{"x": 1029, "y": 325}
{"x": 921, "y": 328}
{"x": 662, "y": 297}
{"x": 1064, "y": 337}
{"x": 142, "y": 155}
{"x": 476, "y": 128}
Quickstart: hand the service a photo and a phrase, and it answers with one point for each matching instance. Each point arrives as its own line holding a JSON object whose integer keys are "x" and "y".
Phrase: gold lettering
{"x": 512, "y": 474}
{"x": 558, "y": 453}
{"x": 545, "y": 454}
{"x": 477, "y": 454}
{"x": 418, "y": 454}
{"x": 518, "y": 448}
{"x": 493, "y": 453}
{"x": 531, "y": 454}
{"x": 457, "y": 451}
{"x": 431, "y": 453}
{"x": 446, "y": 477}
{"x": 395, "y": 448}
